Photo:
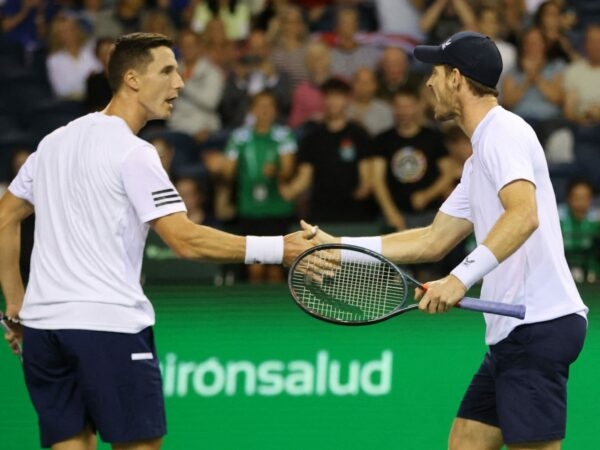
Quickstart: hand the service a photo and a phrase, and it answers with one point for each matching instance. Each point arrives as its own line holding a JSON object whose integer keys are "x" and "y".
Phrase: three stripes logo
{"x": 166, "y": 197}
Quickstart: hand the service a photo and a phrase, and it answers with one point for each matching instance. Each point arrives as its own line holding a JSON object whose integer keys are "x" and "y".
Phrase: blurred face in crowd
{"x": 407, "y": 110}
{"x": 394, "y": 65}
{"x": 364, "y": 84}
{"x": 488, "y": 22}
{"x": 189, "y": 47}
{"x": 592, "y": 45}
{"x": 550, "y": 17}
{"x": 580, "y": 200}
{"x": 165, "y": 153}
{"x": 257, "y": 45}
{"x": 190, "y": 193}
{"x": 336, "y": 104}
{"x": 66, "y": 32}
{"x": 533, "y": 44}
{"x": 347, "y": 23}
{"x": 318, "y": 60}
{"x": 103, "y": 52}
{"x": 292, "y": 23}
{"x": 264, "y": 110}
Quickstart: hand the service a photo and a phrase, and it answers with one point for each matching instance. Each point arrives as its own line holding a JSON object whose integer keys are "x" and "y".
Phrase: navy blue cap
{"x": 474, "y": 54}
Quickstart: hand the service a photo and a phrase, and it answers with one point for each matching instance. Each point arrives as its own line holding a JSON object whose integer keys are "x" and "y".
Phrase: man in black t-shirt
{"x": 411, "y": 169}
{"x": 334, "y": 161}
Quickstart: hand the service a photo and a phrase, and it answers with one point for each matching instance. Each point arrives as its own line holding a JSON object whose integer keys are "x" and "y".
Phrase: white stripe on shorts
{"x": 139, "y": 356}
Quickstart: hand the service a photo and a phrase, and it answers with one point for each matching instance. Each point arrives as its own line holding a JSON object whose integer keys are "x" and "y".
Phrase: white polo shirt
{"x": 94, "y": 186}
{"x": 505, "y": 149}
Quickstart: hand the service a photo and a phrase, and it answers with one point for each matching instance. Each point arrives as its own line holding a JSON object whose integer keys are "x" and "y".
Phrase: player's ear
{"x": 131, "y": 79}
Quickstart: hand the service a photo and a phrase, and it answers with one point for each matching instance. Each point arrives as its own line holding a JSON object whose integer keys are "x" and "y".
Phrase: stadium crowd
{"x": 316, "y": 108}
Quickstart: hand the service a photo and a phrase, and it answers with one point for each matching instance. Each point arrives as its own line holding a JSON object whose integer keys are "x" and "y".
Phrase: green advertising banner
{"x": 245, "y": 369}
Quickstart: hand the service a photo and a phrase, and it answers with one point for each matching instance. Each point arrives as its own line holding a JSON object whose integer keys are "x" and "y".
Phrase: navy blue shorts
{"x": 521, "y": 386}
{"x": 108, "y": 381}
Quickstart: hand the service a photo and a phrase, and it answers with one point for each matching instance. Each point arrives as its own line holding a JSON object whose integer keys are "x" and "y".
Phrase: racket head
{"x": 348, "y": 285}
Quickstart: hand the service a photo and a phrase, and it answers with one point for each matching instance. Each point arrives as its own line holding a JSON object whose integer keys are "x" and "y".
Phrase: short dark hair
{"x": 580, "y": 181}
{"x": 407, "y": 91}
{"x": 336, "y": 86}
{"x": 267, "y": 93}
{"x": 132, "y": 51}
{"x": 475, "y": 87}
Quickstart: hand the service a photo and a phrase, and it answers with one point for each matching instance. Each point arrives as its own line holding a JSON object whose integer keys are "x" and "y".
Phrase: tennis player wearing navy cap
{"x": 518, "y": 396}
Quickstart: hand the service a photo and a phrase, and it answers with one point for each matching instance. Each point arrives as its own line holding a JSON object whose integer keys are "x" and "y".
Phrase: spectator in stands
{"x": 235, "y": 15}
{"x": 580, "y": 225}
{"x": 334, "y": 163}
{"x": 400, "y": 17}
{"x": 158, "y": 21}
{"x": 166, "y": 152}
{"x": 513, "y": 14}
{"x": 315, "y": 11}
{"x": 219, "y": 49}
{"x": 196, "y": 110}
{"x": 126, "y": 16}
{"x": 71, "y": 59}
{"x": 443, "y": 18}
{"x": 374, "y": 114}
{"x": 289, "y": 44}
{"x": 24, "y": 22}
{"x": 193, "y": 195}
{"x": 549, "y": 19}
{"x": 347, "y": 56}
{"x": 97, "y": 90}
{"x": 459, "y": 149}
{"x": 254, "y": 73}
{"x": 307, "y": 99}
{"x": 582, "y": 105}
{"x": 488, "y": 23}
{"x": 394, "y": 73}
{"x": 534, "y": 89}
{"x": 412, "y": 172}
{"x": 259, "y": 157}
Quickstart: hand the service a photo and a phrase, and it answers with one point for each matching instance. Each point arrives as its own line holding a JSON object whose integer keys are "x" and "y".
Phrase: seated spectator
{"x": 394, "y": 73}
{"x": 195, "y": 112}
{"x": 548, "y": 18}
{"x": 71, "y": 59}
{"x": 366, "y": 15}
{"x": 254, "y": 73}
{"x": 459, "y": 149}
{"x": 97, "y": 90}
{"x": 533, "y": 90}
{"x": 307, "y": 99}
{"x": 334, "y": 166}
{"x": 582, "y": 105}
{"x": 412, "y": 172}
{"x": 347, "y": 55}
{"x": 193, "y": 195}
{"x": 580, "y": 225}
{"x": 374, "y": 114}
{"x": 514, "y": 16}
{"x": 219, "y": 49}
{"x": 289, "y": 45}
{"x": 315, "y": 12}
{"x": 235, "y": 15}
{"x": 258, "y": 158}
{"x": 126, "y": 16}
{"x": 443, "y": 18}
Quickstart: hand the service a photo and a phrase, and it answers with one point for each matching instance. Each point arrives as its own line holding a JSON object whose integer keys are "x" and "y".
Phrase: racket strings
{"x": 352, "y": 290}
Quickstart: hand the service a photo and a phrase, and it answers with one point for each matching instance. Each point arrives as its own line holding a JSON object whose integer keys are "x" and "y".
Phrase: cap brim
{"x": 431, "y": 54}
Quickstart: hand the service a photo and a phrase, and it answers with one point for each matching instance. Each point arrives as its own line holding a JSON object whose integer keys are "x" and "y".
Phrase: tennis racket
{"x": 7, "y": 329}
{"x": 351, "y": 285}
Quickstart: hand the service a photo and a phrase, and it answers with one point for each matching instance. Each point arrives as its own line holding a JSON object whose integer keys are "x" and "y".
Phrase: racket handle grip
{"x": 474, "y": 304}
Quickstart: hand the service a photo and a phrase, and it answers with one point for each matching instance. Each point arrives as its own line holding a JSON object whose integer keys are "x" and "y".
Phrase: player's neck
{"x": 473, "y": 111}
{"x": 120, "y": 107}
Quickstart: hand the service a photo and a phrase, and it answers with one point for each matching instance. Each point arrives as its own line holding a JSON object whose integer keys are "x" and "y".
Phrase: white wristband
{"x": 372, "y": 243}
{"x": 264, "y": 250}
{"x": 475, "y": 266}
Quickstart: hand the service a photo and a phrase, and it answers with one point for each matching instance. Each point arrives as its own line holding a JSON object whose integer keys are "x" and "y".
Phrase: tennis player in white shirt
{"x": 518, "y": 397}
{"x": 89, "y": 358}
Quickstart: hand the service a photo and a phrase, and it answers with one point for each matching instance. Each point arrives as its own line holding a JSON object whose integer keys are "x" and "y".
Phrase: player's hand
{"x": 441, "y": 295}
{"x": 318, "y": 236}
{"x": 13, "y": 337}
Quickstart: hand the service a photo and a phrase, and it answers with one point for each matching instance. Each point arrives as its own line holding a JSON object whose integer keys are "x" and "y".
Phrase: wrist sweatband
{"x": 475, "y": 266}
{"x": 264, "y": 250}
{"x": 372, "y": 243}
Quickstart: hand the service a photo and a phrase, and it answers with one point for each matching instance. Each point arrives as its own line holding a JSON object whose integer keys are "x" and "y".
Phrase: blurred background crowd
{"x": 315, "y": 108}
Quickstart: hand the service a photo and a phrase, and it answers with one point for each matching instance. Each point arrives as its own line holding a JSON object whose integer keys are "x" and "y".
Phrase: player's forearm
{"x": 209, "y": 244}
{"x": 10, "y": 274}
{"x": 510, "y": 232}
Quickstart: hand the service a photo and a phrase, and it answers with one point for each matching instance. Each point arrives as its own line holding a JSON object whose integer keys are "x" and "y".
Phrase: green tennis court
{"x": 245, "y": 369}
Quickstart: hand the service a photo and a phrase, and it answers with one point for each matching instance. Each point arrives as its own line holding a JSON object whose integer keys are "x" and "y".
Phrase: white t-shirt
{"x": 505, "y": 149}
{"x": 94, "y": 186}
